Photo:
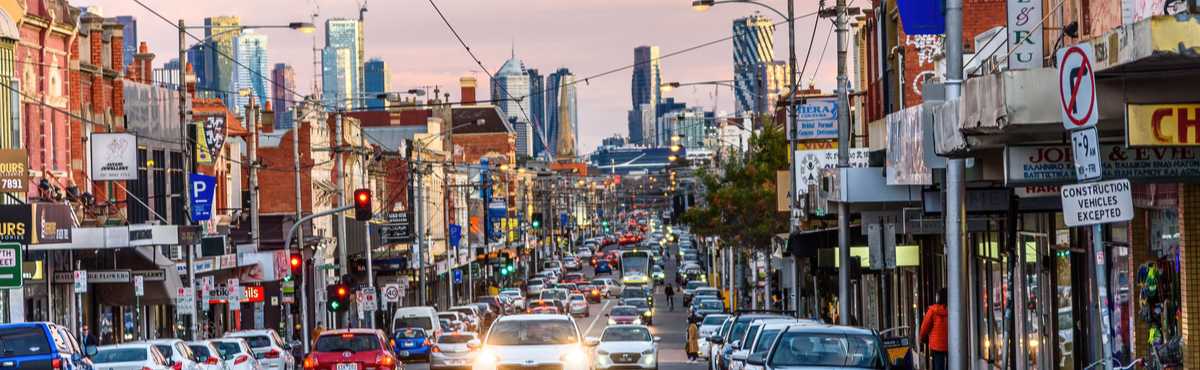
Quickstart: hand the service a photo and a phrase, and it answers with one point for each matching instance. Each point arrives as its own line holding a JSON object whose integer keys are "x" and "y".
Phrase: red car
{"x": 573, "y": 278}
{"x": 358, "y": 348}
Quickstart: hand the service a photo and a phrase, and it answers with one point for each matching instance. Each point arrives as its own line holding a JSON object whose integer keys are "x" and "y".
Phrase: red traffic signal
{"x": 362, "y": 205}
{"x": 295, "y": 263}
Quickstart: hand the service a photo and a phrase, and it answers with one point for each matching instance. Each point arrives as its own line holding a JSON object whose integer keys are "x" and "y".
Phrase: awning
{"x": 113, "y": 237}
{"x": 806, "y": 243}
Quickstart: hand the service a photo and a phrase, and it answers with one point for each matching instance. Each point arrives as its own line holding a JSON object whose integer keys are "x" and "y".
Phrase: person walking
{"x": 670, "y": 292}
{"x": 692, "y": 347}
{"x": 933, "y": 331}
{"x": 89, "y": 338}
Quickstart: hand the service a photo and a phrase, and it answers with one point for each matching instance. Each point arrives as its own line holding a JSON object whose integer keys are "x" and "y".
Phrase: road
{"x": 669, "y": 325}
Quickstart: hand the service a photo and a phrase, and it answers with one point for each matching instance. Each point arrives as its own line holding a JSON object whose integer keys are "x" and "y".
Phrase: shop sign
{"x": 140, "y": 235}
{"x": 817, "y": 118}
{"x": 139, "y": 284}
{"x": 1048, "y": 165}
{"x": 1024, "y": 34}
{"x": 1162, "y": 124}
{"x": 189, "y": 234}
{"x": 252, "y": 294}
{"x": 95, "y": 277}
{"x": 14, "y": 170}
{"x": 114, "y": 156}
{"x": 33, "y": 270}
{"x": 151, "y": 275}
{"x": 53, "y": 223}
{"x": 810, "y": 163}
{"x": 204, "y": 265}
{"x": 15, "y": 220}
{"x": 10, "y": 266}
{"x": 1097, "y": 203}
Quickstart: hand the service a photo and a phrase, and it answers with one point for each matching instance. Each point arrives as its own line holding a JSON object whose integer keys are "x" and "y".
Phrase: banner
{"x": 203, "y": 155}
{"x": 52, "y": 223}
{"x": 15, "y": 223}
{"x": 214, "y": 134}
{"x": 114, "y": 156}
{"x": 1162, "y": 124}
{"x": 14, "y": 170}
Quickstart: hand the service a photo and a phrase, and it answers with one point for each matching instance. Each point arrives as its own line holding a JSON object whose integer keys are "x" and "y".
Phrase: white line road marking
{"x": 598, "y": 317}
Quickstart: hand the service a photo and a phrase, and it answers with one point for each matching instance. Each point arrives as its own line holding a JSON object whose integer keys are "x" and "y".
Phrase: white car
{"x": 533, "y": 341}
{"x": 236, "y": 353}
{"x": 140, "y": 356}
{"x": 609, "y": 286}
{"x": 270, "y": 350}
{"x": 571, "y": 264}
{"x": 518, "y": 299}
{"x": 454, "y": 350}
{"x": 711, "y": 324}
{"x": 178, "y": 352}
{"x": 584, "y": 253}
{"x": 207, "y": 355}
{"x": 577, "y": 305}
{"x": 625, "y": 346}
{"x": 534, "y": 286}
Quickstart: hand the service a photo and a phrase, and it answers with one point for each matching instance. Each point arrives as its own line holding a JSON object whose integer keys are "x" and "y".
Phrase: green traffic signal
{"x": 334, "y": 306}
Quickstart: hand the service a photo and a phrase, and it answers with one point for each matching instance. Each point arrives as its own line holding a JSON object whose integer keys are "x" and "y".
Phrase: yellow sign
{"x": 1163, "y": 124}
{"x": 203, "y": 155}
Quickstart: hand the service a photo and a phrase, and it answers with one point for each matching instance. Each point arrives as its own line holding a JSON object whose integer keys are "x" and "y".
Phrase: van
{"x": 423, "y": 317}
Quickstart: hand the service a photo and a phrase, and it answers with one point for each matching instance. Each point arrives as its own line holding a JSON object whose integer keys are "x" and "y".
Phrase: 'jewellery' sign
{"x": 1053, "y": 164}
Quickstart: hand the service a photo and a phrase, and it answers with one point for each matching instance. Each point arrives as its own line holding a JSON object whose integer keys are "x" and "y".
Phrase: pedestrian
{"x": 692, "y": 347}
{"x": 89, "y": 338}
{"x": 670, "y": 292}
{"x": 933, "y": 331}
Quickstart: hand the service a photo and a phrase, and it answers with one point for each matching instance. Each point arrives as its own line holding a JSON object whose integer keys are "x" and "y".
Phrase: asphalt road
{"x": 669, "y": 325}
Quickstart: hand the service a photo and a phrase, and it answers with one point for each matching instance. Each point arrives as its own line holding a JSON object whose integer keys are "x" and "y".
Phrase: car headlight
{"x": 486, "y": 360}
{"x": 574, "y": 359}
{"x": 648, "y": 313}
{"x": 612, "y": 321}
{"x": 637, "y": 321}
{"x": 647, "y": 358}
{"x": 602, "y": 359}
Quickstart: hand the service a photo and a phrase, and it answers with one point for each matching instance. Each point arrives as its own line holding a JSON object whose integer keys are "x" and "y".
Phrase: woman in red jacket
{"x": 933, "y": 330}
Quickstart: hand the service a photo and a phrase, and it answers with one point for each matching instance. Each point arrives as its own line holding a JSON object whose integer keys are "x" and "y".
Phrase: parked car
{"x": 41, "y": 345}
{"x": 727, "y": 341}
{"x": 207, "y": 355}
{"x": 760, "y": 344}
{"x": 454, "y": 351}
{"x": 269, "y": 349}
{"x": 236, "y": 353}
{"x": 754, "y": 333}
{"x": 353, "y": 349}
{"x": 412, "y": 343}
{"x": 578, "y": 305}
{"x": 140, "y": 356}
{"x": 704, "y": 307}
{"x": 819, "y": 346}
{"x": 625, "y": 347}
{"x": 708, "y": 326}
{"x": 178, "y": 352}
{"x": 533, "y": 342}
{"x": 703, "y": 293}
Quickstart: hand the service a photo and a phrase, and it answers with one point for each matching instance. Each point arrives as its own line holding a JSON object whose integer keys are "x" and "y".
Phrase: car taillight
{"x": 241, "y": 359}
{"x": 386, "y": 360}
{"x": 427, "y": 343}
{"x": 271, "y": 354}
{"x": 435, "y": 349}
{"x": 146, "y": 368}
{"x": 310, "y": 362}
{"x": 212, "y": 360}
{"x": 56, "y": 363}
{"x": 177, "y": 366}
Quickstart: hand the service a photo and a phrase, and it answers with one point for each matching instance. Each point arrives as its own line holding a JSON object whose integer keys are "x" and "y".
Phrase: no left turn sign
{"x": 1077, "y": 87}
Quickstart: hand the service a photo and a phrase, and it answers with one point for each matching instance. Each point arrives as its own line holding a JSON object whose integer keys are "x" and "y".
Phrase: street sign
{"x": 368, "y": 300}
{"x": 139, "y": 285}
{"x": 391, "y": 293}
{"x": 1097, "y": 203}
{"x": 185, "y": 300}
{"x": 80, "y": 279}
{"x": 455, "y": 235}
{"x": 202, "y": 188}
{"x": 1077, "y": 87}
{"x": 10, "y": 266}
{"x": 458, "y": 276}
{"x": 397, "y": 229}
{"x": 1085, "y": 146}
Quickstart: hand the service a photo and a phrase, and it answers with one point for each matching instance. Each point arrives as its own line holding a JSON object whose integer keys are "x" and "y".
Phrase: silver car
{"x": 808, "y": 346}
{"x": 625, "y": 347}
{"x": 133, "y": 356}
{"x": 539, "y": 341}
{"x": 454, "y": 351}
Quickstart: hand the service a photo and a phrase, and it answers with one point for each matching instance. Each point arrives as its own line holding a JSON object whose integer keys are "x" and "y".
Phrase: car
{"x": 40, "y": 345}
{"x": 456, "y": 320}
{"x": 412, "y": 343}
{"x": 533, "y": 341}
{"x": 704, "y": 307}
{"x": 553, "y": 310}
{"x": 534, "y": 286}
{"x": 141, "y": 356}
{"x": 495, "y": 303}
{"x": 559, "y": 296}
{"x": 691, "y": 286}
{"x": 342, "y": 349}
{"x": 754, "y": 333}
{"x": 514, "y": 295}
{"x": 625, "y": 347}
{"x": 578, "y": 305}
{"x": 630, "y": 292}
{"x": 658, "y": 274}
{"x": 585, "y": 253}
{"x": 455, "y": 350}
{"x": 424, "y": 317}
{"x": 642, "y": 304}
{"x": 602, "y": 267}
{"x": 592, "y": 292}
{"x": 540, "y": 303}
{"x": 728, "y": 340}
{"x": 760, "y": 343}
{"x": 207, "y": 355}
{"x": 471, "y": 313}
{"x": 707, "y": 327}
{"x": 702, "y": 293}
{"x": 609, "y": 286}
{"x": 236, "y": 353}
{"x": 573, "y": 278}
{"x": 269, "y": 349}
{"x": 178, "y": 352}
{"x": 571, "y": 264}
{"x": 569, "y": 287}
{"x": 820, "y": 346}
{"x": 624, "y": 315}
{"x": 487, "y": 314}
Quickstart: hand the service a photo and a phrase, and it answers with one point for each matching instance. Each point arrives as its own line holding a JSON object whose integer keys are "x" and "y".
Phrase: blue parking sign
{"x": 202, "y": 188}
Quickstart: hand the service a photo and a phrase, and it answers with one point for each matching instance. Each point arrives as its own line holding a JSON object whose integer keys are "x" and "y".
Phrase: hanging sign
{"x": 1097, "y": 203}
{"x": 114, "y": 156}
{"x": 11, "y": 265}
{"x": 14, "y": 170}
{"x": 1162, "y": 124}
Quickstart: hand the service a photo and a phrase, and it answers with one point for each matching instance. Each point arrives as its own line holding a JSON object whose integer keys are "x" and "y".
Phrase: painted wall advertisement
{"x": 1053, "y": 164}
{"x": 114, "y": 156}
{"x": 1162, "y": 124}
{"x": 810, "y": 163}
{"x": 817, "y": 119}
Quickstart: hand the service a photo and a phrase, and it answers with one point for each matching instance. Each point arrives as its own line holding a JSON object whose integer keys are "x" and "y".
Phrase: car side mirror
{"x": 736, "y": 344}
{"x": 474, "y": 344}
{"x": 657, "y": 339}
{"x": 716, "y": 339}
{"x": 90, "y": 350}
{"x": 757, "y": 359}
{"x": 591, "y": 341}
{"x": 740, "y": 355}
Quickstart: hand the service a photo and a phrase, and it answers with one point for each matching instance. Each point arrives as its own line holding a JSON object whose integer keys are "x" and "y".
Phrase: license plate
{"x": 347, "y": 367}
{"x": 402, "y": 354}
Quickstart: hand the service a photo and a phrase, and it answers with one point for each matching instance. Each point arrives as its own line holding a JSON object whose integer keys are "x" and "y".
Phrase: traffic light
{"x": 362, "y": 205}
{"x": 537, "y": 220}
{"x": 295, "y": 267}
{"x": 337, "y": 297}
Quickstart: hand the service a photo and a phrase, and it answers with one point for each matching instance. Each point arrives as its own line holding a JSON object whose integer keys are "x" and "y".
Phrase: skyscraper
{"x": 377, "y": 80}
{"x": 341, "y": 78}
{"x": 646, "y": 90}
{"x": 282, "y": 100}
{"x": 222, "y": 32}
{"x": 537, "y": 109}
{"x": 753, "y": 45}
{"x": 130, "y": 37}
{"x": 524, "y": 138}
{"x": 510, "y": 88}
{"x": 560, "y": 83}
{"x": 251, "y": 54}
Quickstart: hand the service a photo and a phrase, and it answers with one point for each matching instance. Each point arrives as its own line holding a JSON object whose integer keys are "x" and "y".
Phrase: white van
{"x": 423, "y": 317}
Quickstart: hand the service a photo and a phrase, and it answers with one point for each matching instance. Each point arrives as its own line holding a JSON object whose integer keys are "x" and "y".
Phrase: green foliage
{"x": 741, "y": 202}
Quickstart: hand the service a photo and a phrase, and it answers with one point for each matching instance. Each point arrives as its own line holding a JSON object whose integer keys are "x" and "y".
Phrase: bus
{"x": 635, "y": 267}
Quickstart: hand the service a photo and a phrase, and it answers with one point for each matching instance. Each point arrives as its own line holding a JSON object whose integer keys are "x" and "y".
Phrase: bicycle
{"x": 1131, "y": 365}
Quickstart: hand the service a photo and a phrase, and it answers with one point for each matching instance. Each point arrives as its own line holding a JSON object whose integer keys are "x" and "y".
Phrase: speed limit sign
{"x": 391, "y": 293}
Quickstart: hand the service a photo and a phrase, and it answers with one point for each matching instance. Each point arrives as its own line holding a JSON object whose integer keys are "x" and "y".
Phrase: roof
{"x": 534, "y": 317}
{"x": 827, "y": 329}
{"x": 350, "y": 331}
{"x": 480, "y": 119}
{"x": 512, "y": 66}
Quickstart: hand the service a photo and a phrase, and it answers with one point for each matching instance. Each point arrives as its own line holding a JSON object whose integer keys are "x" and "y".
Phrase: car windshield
{"x": 348, "y": 342}
{"x": 694, "y": 284}
{"x": 532, "y": 333}
{"x": 712, "y": 305}
{"x": 228, "y": 349}
{"x": 540, "y": 303}
{"x": 21, "y": 341}
{"x": 639, "y": 303}
{"x": 625, "y": 311}
{"x": 120, "y": 355}
{"x": 826, "y": 350}
{"x": 633, "y": 293}
{"x": 164, "y": 349}
{"x": 535, "y": 282}
{"x": 626, "y": 334}
{"x": 200, "y": 351}
{"x": 410, "y": 333}
{"x": 455, "y": 338}
{"x": 554, "y": 294}
{"x": 713, "y": 320}
{"x": 407, "y": 322}
{"x": 578, "y": 297}
{"x": 256, "y": 341}
{"x": 764, "y": 341}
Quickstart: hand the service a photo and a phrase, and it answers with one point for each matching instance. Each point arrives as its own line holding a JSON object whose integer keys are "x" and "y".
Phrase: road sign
{"x": 185, "y": 301}
{"x": 1097, "y": 203}
{"x": 458, "y": 276}
{"x": 139, "y": 285}
{"x": 391, "y": 293}
{"x": 1077, "y": 87}
{"x": 80, "y": 279}
{"x": 202, "y": 187}
{"x": 397, "y": 229}
{"x": 10, "y": 266}
{"x": 455, "y": 235}
{"x": 369, "y": 301}
{"x": 1085, "y": 146}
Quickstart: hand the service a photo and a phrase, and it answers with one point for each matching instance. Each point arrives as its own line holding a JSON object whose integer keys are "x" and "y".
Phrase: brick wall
{"x": 1189, "y": 228}
{"x": 277, "y": 187}
{"x": 978, "y": 16}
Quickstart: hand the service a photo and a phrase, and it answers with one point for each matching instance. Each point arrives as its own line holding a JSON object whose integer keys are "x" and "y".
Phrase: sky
{"x": 589, "y": 37}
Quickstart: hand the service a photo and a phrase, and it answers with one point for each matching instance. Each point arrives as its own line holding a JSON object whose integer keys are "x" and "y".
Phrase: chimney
{"x": 467, "y": 84}
{"x": 144, "y": 59}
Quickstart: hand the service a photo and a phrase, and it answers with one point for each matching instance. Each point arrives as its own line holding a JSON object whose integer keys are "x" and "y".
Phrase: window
{"x": 532, "y": 333}
{"x": 796, "y": 349}
{"x": 120, "y": 355}
{"x": 626, "y": 334}
{"x": 228, "y": 349}
{"x": 455, "y": 338}
{"x": 348, "y": 342}
{"x": 714, "y": 320}
{"x": 165, "y": 350}
{"x": 21, "y": 341}
{"x": 258, "y": 341}
{"x": 200, "y": 351}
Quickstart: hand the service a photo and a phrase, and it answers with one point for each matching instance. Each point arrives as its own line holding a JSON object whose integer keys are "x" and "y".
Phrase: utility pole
{"x": 340, "y": 183}
{"x": 955, "y": 200}
{"x": 791, "y": 127}
{"x": 297, "y": 122}
{"x": 252, "y": 122}
{"x": 366, "y": 184}
{"x": 185, "y": 119}
{"x": 451, "y": 251}
{"x": 843, "y": 86}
